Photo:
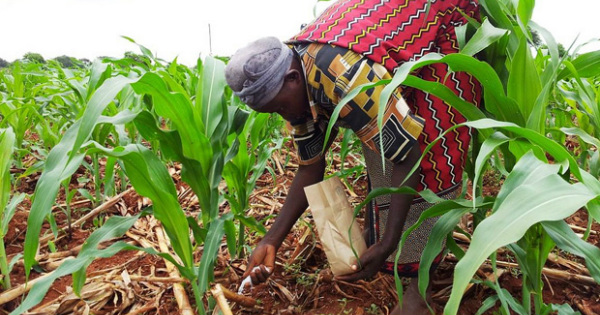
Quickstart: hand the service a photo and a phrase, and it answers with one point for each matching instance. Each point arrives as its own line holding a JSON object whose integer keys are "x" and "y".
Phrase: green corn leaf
{"x": 593, "y": 184}
{"x": 240, "y": 116}
{"x": 115, "y": 226}
{"x": 151, "y": 179}
{"x": 211, "y": 248}
{"x": 483, "y": 38}
{"x": 586, "y": 137}
{"x": 560, "y": 154}
{"x": 144, "y": 50}
{"x": 173, "y": 67}
{"x": 338, "y": 108}
{"x": 458, "y": 252}
{"x": 7, "y": 142}
{"x": 468, "y": 110}
{"x": 230, "y": 232}
{"x": 120, "y": 118}
{"x": 238, "y": 153}
{"x": 9, "y": 211}
{"x": 100, "y": 71}
{"x": 527, "y": 261}
{"x": 199, "y": 233}
{"x": 548, "y": 198}
{"x": 497, "y": 12}
{"x": 214, "y": 177}
{"x": 178, "y": 109}
{"x": 550, "y": 146}
{"x": 172, "y": 84}
{"x": 508, "y": 300}
{"x": 62, "y": 162}
{"x": 380, "y": 192}
{"x": 580, "y": 91}
{"x": 495, "y": 99}
{"x": 586, "y": 65}
{"x": 537, "y": 119}
{"x": 564, "y": 309}
{"x": 252, "y": 223}
{"x": 519, "y": 147}
{"x": 199, "y": 81}
{"x": 213, "y": 108}
{"x": 170, "y": 143}
{"x": 595, "y": 164}
{"x": 439, "y": 208}
{"x": 109, "y": 177}
{"x": 550, "y": 42}
{"x": 487, "y": 304}
{"x": 444, "y": 225}
{"x": 525, "y": 11}
{"x": 485, "y": 151}
{"x": 567, "y": 240}
{"x": 524, "y": 83}
{"x": 593, "y": 208}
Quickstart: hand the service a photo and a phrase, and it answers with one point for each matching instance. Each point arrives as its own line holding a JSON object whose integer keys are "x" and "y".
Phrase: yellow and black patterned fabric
{"x": 331, "y": 73}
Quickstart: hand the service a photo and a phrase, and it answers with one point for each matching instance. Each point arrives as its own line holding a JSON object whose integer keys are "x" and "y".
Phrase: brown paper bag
{"x": 333, "y": 216}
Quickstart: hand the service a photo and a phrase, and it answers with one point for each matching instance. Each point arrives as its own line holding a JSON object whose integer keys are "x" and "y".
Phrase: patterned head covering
{"x": 255, "y": 73}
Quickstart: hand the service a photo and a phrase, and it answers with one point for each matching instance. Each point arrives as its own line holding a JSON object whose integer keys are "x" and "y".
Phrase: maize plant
{"x": 201, "y": 125}
{"x": 8, "y": 203}
{"x": 242, "y": 172}
{"x": 527, "y": 215}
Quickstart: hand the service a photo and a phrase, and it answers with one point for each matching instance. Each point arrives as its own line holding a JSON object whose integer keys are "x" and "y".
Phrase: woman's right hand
{"x": 262, "y": 256}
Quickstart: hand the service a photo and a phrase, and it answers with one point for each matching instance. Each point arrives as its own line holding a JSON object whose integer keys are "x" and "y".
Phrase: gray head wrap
{"x": 255, "y": 73}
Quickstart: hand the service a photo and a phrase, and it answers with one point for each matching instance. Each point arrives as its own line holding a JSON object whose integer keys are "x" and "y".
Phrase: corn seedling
{"x": 8, "y": 204}
{"x": 201, "y": 126}
{"x": 242, "y": 172}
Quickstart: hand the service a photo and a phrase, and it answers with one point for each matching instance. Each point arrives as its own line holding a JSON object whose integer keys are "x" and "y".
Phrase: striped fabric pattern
{"x": 331, "y": 73}
{"x": 389, "y": 32}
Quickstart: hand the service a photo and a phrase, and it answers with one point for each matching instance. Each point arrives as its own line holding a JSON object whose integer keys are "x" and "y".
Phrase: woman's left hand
{"x": 371, "y": 262}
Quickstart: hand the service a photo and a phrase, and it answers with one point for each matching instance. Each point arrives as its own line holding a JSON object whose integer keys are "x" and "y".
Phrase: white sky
{"x": 91, "y": 28}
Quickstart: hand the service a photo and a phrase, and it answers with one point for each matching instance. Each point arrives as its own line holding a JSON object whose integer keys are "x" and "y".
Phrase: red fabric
{"x": 409, "y": 270}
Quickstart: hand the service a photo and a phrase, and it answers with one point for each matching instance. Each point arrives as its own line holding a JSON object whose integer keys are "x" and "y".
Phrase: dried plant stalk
{"x": 183, "y": 301}
{"x": 243, "y": 300}
{"x": 18, "y": 291}
{"x": 551, "y": 273}
{"x": 217, "y": 292}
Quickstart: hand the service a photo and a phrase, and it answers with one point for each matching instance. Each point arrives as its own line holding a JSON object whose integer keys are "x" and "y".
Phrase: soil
{"x": 301, "y": 282}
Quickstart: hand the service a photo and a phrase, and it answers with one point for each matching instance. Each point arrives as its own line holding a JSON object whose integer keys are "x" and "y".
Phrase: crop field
{"x": 137, "y": 185}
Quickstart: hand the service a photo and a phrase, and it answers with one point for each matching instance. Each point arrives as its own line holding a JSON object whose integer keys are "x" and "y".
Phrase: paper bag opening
{"x": 333, "y": 216}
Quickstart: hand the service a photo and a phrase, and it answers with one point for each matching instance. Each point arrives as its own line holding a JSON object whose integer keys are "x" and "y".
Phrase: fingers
{"x": 358, "y": 275}
{"x": 249, "y": 269}
{"x": 271, "y": 253}
{"x": 368, "y": 270}
{"x": 260, "y": 274}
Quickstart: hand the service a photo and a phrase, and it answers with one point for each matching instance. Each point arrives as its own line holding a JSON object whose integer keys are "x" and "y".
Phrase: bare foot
{"x": 412, "y": 302}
